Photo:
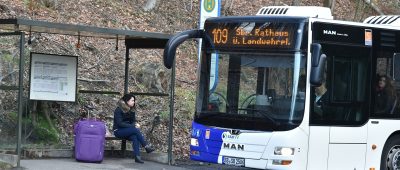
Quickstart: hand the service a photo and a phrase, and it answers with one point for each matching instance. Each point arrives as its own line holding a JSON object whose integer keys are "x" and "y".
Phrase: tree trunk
{"x": 329, "y": 3}
{"x": 46, "y": 111}
{"x": 357, "y": 9}
{"x": 34, "y": 113}
{"x": 373, "y": 6}
{"x": 1, "y": 67}
{"x": 228, "y": 7}
{"x": 150, "y": 5}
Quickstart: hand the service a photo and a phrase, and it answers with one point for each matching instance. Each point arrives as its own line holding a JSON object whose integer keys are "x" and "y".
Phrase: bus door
{"x": 339, "y": 109}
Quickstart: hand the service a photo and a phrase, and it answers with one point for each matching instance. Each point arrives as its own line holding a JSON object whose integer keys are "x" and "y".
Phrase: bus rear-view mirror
{"x": 317, "y": 64}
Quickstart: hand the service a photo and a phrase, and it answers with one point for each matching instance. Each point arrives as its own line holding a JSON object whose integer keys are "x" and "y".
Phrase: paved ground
{"x": 107, "y": 164}
{"x": 116, "y": 164}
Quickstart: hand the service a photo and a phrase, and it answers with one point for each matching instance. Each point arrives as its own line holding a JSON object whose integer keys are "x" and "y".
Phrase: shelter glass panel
{"x": 9, "y": 78}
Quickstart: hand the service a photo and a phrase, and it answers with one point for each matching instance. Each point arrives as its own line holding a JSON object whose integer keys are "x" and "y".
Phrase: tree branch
{"x": 374, "y": 7}
{"x": 9, "y": 74}
{"x": 94, "y": 81}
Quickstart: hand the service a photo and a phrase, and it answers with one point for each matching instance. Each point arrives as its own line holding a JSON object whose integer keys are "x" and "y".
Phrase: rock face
{"x": 153, "y": 77}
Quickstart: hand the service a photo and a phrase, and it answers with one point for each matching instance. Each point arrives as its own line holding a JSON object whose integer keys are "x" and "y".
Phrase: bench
{"x": 123, "y": 143}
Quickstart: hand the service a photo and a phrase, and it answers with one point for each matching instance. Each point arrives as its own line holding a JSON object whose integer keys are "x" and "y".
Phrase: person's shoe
{"x": 149, "y": 148}
{"x": 138, "y": 159}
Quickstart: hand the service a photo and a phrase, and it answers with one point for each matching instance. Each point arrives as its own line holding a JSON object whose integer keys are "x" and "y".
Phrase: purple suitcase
{"x": 89, "y": 140}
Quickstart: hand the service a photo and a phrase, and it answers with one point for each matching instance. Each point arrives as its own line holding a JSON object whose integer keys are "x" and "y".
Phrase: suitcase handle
{"x": 88, "y": 109}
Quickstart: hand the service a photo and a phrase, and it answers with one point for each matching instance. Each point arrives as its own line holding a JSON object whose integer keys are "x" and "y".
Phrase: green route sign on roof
{"x": 210, "y": 8}
{"x": 209, "y": 5}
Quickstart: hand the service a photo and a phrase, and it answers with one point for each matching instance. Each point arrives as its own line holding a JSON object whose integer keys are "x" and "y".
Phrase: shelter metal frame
{"x": 133, "y": 40}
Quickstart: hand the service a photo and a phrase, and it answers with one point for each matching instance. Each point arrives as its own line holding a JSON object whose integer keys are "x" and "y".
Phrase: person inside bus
{"x": 125, "y": 126}
{"x": 301, "y": 94}
{"x": 385, "y": 96}
{"x": 320, "y": 99}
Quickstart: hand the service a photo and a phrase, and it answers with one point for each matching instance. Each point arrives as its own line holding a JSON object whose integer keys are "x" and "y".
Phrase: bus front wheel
{"x": 391, "y": 154}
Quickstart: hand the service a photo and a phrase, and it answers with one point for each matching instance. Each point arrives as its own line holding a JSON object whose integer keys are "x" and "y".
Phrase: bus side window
{"x": 340, "y": 87}
{"x": 346, "y": 86}
{"x": 396, "y": 76}
{"x": 387, "y": 83}
{"x": 341, "y": 80}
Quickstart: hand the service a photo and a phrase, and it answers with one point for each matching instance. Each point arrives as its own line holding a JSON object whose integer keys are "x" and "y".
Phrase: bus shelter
{"x": 21, "y": 28}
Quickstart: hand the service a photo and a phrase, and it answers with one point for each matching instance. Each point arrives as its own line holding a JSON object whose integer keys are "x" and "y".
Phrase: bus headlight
{"x": 194, "y": 142}
{"x": 285, "y": 151}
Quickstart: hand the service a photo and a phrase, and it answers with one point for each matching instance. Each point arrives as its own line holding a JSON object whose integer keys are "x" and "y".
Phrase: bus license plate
{"x": 233, "y": 161}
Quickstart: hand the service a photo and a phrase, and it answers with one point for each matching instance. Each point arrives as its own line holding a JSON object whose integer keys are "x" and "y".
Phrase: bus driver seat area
{"x": 260, "y": 102}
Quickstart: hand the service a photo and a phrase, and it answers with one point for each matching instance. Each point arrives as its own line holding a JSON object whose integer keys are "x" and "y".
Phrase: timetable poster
{"x": 53, "y": 77}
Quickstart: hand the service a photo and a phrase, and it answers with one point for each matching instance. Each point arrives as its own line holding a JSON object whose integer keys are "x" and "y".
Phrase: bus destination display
{"x": 251, "y": 35}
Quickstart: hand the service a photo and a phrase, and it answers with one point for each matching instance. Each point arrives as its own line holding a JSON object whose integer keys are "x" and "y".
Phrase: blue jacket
{"x": 123, "y": 116}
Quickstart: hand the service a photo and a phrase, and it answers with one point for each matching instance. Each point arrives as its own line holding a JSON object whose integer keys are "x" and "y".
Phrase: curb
{"x": 9, "y": 159}
{"x": 12, "y": 158}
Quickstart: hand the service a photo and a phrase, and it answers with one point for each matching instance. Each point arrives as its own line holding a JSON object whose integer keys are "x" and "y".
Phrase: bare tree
{"x": 356, "y": 11}
{"x": 361, "y": 9}
{"x": 373, "y": 6}
{"x": 227, "y": 7}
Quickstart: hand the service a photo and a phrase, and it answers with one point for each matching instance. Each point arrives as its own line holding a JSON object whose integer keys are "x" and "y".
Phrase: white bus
{"x": 268, "y": 109}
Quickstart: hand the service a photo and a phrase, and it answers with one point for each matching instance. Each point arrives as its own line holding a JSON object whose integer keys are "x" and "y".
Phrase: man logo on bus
{"x": 209, "y": 5}
{"x": 233, "y": 146}
{"x": 329, "y": 32}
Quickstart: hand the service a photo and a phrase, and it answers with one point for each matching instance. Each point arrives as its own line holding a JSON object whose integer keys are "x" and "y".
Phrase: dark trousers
{"x": 133, "y": 134}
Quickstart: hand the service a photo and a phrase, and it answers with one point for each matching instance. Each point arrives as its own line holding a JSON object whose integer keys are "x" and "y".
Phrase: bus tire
{"x": 391, "y": 154}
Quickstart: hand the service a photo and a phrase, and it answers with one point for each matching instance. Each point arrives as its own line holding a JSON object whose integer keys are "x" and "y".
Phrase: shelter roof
{"x": 136, "y": 38}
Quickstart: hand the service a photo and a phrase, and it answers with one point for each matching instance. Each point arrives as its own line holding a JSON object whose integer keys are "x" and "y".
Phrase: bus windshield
{"x": 253, "y": 91}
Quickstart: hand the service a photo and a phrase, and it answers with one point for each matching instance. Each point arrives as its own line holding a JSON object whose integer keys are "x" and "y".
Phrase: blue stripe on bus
{"x": 205, "y": 157}
{"x": 210, "y": 147}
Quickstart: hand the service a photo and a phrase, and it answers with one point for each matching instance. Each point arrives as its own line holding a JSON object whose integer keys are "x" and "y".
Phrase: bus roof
{"x": 393, "y": 20}
{"x": 362, "y": 24}
{"x": 300, "y": 11}
{"x": 259, "y": 18}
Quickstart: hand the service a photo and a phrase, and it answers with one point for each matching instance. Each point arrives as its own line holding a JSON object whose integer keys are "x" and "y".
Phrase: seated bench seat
{"x": 123, "y": 143}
